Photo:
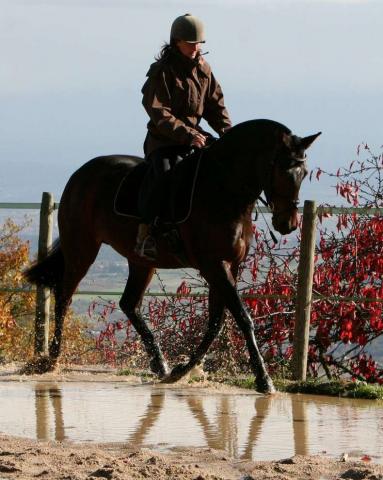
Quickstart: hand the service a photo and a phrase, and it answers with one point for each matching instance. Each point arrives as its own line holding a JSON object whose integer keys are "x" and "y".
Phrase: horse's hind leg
{"x": 76, "y": 264}
{"x": 216, "y": 318}
{"x": 130, "y": 303}
{"x": 63, "y": 298}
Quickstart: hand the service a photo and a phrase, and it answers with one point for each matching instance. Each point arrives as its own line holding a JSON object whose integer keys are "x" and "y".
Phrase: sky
{"x": 71, "y": 72}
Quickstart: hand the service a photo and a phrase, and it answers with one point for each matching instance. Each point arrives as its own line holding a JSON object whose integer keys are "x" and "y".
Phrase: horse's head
{"x": 288, "y": 171}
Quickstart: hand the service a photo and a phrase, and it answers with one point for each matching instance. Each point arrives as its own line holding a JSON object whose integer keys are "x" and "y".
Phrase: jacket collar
{"x": 182, "y": 62}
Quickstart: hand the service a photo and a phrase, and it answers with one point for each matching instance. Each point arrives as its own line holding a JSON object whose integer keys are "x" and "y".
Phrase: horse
{"x": 252, "y": 157}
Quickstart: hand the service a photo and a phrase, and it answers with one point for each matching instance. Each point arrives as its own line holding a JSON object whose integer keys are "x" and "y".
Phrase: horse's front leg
{"x": 139, "y": 278}
{"x": 219, "y": 277}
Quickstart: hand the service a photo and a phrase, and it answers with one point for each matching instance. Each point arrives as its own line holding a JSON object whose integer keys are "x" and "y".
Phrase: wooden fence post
{"x": 304, "y": 291}
{"x": 42, "y": 293}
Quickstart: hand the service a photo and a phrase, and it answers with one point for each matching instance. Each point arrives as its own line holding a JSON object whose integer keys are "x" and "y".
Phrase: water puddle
{"x": 247, "y": 426}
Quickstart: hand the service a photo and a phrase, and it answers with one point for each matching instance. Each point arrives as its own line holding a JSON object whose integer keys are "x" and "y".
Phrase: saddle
{"x": 179, "y": 184}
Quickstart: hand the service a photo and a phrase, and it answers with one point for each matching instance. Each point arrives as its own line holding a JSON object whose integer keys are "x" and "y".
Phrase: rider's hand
{"x": 199, "y": 140}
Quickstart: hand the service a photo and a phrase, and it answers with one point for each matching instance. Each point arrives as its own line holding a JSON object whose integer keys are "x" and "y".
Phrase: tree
{"x": 16, "y": 306}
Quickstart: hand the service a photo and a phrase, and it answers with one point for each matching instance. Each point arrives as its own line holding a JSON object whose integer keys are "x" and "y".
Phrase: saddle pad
{"x": 125, "y": 200}
{"x": 181, "y": 181}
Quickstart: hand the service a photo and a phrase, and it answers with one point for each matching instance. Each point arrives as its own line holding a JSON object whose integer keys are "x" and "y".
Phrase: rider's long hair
{"x": 166, "y": 49}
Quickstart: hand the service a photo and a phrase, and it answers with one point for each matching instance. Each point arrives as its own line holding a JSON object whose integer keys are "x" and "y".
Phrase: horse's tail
{"x": 49, "y": 271}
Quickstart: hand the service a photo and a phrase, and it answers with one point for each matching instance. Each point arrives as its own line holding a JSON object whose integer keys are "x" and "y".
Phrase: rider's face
{"x": 188, "y": 49}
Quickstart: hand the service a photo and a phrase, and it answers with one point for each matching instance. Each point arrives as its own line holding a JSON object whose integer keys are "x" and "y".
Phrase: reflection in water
{"x": 300, "y": 426}
{"x": 147, "y": 420}
{"x": 221, "y": 432}
{"x": 262, "y": 408}
{"x": 245, "y": 426}
{"x": 45, "y": 395}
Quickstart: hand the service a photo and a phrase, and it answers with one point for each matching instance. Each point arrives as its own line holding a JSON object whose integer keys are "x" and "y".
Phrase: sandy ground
{"x": 31, "y": 459}
{"x": 27, "y": 459}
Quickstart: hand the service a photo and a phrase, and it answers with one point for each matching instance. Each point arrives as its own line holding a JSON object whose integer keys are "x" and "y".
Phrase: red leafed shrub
{"x": 350, "y": 265}
{"x": 345, "y": 326}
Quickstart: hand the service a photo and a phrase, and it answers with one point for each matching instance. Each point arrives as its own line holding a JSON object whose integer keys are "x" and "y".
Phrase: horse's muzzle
{"x": 285, "y": 222}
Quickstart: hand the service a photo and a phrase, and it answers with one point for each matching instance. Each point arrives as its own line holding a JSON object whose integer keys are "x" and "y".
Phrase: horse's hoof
{"x": 160, "y": 368}
{"x": 266, "y": 386}
{"x": 38, "y": 365}
{"x": 176, "y": 374}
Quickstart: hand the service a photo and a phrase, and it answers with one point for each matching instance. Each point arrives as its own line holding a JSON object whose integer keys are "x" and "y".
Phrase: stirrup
{"x": 147, "y": 248}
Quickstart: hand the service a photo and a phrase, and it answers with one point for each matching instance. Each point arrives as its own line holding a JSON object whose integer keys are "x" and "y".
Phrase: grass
{"x": 337, "y": 388}
{"x": 136, "y": 373}
{"x": 241, "y": 382}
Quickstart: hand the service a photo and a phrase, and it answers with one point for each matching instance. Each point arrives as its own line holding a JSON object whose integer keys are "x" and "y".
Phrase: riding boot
{"x": 145, "y": 243}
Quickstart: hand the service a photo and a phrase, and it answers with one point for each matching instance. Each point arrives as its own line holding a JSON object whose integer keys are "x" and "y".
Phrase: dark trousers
{"x": 154, "y": 192}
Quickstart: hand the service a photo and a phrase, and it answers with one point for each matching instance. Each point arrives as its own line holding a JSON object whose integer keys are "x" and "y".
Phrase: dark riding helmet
{"x": 188, "y": 28}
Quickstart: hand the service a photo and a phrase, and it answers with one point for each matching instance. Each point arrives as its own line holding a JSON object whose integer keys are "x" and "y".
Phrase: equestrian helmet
{"x": 188, "y": 28}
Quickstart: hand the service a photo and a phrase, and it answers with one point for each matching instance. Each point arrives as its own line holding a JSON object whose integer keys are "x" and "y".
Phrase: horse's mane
{"x": 250, "y": 134}
{"x": 255, "y": 130}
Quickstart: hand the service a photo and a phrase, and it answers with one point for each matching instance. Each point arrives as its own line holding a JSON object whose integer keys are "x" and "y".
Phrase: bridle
{"x": 269, "y": 194}
{"x": 293, "y": 204}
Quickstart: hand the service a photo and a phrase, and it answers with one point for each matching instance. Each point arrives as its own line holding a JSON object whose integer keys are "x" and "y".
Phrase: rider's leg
{"x": 150, "y": 201}
{"x": 153, "y": 195}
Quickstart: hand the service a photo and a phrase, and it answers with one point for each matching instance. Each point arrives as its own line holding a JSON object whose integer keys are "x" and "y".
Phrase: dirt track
{"x": 27, "y": 459}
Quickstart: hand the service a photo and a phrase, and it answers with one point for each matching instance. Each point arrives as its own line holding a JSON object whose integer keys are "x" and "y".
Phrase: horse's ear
{"x": 305, "y": 142}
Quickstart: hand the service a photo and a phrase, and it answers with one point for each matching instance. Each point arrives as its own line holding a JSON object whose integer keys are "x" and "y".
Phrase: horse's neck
{"x": 218, "y": 193}
{"x": 229, "y": 169}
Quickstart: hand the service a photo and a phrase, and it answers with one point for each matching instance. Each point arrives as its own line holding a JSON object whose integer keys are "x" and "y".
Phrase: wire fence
{"x": 320, "y": 210}
{"x": 303, "y": 298}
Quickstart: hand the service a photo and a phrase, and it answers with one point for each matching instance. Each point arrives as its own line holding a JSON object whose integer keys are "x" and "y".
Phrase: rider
{"x": 179, "y": 91}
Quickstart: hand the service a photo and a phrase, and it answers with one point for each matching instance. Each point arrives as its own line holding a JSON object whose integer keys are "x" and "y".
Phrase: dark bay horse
{"x": 254, "y": 156}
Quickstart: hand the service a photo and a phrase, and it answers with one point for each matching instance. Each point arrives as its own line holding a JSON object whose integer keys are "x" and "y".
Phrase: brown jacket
{"x": 177, "y": 94}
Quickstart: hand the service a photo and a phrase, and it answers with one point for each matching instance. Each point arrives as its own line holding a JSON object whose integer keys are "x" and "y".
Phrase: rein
{"x": 266, "y": 204}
